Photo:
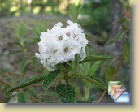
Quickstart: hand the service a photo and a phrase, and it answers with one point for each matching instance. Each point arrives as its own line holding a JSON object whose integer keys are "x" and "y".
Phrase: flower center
{"x": 66, "y": 49}
{"x": 60, "y": 38}
{"x": 55, "y": 51}
{"x": 68, "y": 33}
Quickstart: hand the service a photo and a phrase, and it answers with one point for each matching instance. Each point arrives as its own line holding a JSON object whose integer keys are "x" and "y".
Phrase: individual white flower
{"x": 69, "y": 50}
{"x": 60, "y": 45}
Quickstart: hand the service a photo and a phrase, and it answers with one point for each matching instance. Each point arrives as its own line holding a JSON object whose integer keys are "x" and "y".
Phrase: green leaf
{"x": 20, "y": 31}
{"x": 77, "y": 60}
{"x": 66, "y": 93}
{"x": 80, "y": 101}
{"x": 100, "y": 83}
{"x": 27, "y": 82}
{"x": 109, "y": 73}
{"x": 93, "y": 80}
{"x": 49, "y": 79}
{"x": 21, "y": 97}
{"x": 96, "y": 58}
{"x": 94, "y": 68}
{"x": 73, "y": 12}
{"x": 120, "y": 37}
{"x": 40, "y": 28}
{"x": 48, "y": 93}
{"x": 24, "y": 65}
{"x": 127, "y": 52}
{"x": 70, "y": 66}
{"x": 32, "y": 92}
{"x": 15, "y": 51}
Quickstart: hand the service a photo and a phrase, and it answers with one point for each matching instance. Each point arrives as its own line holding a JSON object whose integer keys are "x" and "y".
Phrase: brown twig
{"x": 34, "y": 99}
{"x": 10, "y": 74}
{"x": 114, "y": 75}
{"x": 5, "y": 82}
{"x": 103, "y": 94}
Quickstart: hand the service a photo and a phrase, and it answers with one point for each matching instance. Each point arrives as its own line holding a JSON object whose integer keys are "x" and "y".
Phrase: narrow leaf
{"x": 109, "y": 73}
{"x": 24, "y": 65}
{"x": 27, "y": 82}
{"x": 120, "y": 37}
{"x": 99, "y": 80}
{"x": 92, "y": 80}
{"x": 49, "y": 79}
{"x": 21, "y": 97}
{"x": 100, "y": 84}
{"x": 94, "y": 68}
{"x": 96, "y": 58}
{"x": 77, "y": 60}
{"x": 15, "y": 51}
{"x": 127, "y": 52}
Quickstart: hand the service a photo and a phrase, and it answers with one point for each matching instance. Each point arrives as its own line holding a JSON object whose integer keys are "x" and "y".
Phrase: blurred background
{"x": 107, "y": 27}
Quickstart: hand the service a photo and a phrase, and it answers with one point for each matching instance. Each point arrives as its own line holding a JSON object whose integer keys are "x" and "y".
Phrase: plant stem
{"x": 87, "y": 91}
{"x": 65, "y": 75}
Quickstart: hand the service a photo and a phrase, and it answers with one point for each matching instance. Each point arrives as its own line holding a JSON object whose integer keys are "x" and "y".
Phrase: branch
{"x": 114, "y": 75}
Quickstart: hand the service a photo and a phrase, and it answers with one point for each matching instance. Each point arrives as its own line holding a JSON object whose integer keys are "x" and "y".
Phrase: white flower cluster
{"x": 60, "y": 45}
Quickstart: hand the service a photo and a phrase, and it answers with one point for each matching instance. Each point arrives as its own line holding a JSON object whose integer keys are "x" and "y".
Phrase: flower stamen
{"x": 68, "y": 33}
{"x": 66, "y": 49}
{"x": 60, "y": 37}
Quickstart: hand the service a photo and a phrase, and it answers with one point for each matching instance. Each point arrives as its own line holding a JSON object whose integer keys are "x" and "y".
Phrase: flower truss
{"x": 60, "y": 45}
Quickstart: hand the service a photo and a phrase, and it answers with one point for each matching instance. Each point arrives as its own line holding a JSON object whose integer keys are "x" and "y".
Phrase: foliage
{"x": 66, "y": 93}
{"x": 51, "y": 77}
{"x": 75, "y": 81}
{"x": 96, "y": 58}
{"x": 98, "y": 15}
{"x": 4, "y": 7}
{"x": 27, "y": 82}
